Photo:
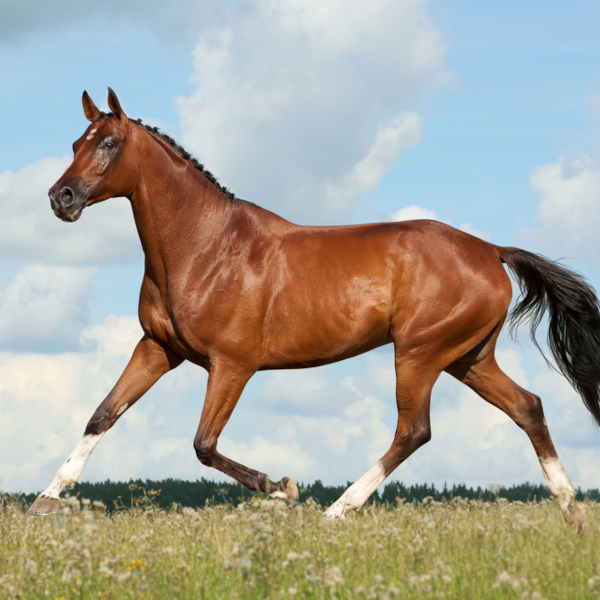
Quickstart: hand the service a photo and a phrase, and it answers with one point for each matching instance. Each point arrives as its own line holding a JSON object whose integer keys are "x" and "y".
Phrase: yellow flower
{"x": 136, "y": 564}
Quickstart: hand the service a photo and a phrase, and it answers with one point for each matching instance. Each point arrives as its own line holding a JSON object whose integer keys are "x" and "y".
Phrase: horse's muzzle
{"x": 65, "y": 204}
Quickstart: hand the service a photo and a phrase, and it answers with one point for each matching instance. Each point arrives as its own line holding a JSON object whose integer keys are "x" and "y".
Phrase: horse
{"x": 236, "y": 289}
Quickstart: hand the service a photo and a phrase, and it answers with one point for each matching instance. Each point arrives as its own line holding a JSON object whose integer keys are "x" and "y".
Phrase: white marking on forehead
{"x": 91, "y": 134}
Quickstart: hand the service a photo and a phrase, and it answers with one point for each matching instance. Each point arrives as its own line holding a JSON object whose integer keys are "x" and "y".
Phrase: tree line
{"x": 118, "y": 495}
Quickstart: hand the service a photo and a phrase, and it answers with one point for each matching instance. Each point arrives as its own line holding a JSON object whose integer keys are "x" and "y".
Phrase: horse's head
{"x": 104, "y": 163}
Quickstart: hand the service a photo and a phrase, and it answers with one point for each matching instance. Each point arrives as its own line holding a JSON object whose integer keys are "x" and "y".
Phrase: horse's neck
{"x": 178, "y": 213}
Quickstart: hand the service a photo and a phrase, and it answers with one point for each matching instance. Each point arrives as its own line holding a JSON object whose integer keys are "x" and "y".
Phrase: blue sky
{"x": 485, "y": 116}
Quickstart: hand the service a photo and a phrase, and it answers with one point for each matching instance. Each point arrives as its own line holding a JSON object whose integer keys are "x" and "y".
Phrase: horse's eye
{"x": 109, "y": 145}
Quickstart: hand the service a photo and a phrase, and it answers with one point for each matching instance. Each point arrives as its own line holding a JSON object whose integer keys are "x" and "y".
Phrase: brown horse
{"x": 236, "y": 289}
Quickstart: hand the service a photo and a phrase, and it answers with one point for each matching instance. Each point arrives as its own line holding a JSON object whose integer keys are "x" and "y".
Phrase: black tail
{"x": 574, "y": 318}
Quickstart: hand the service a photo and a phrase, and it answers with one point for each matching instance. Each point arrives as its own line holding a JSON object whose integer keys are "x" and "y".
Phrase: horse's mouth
{"x": 69, "y": 215}
{"x": 73, "y": 216}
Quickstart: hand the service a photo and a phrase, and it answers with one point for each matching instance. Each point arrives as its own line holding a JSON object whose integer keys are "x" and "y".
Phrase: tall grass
{"x": 269, "y": 549}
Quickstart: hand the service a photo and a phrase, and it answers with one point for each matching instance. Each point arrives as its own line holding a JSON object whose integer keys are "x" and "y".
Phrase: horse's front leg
{"x": 225, "y": 384}
{"x": 148, "y": 363}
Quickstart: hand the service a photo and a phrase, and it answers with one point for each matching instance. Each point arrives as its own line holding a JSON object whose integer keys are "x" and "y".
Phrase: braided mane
{"x": 186, "y": 155}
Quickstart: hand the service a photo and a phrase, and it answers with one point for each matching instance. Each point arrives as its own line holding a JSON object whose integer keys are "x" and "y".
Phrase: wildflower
{"x": 72, "y": 501}
{"x": 519, "y": 583}
{"x": 106, "y": 571}
{"x": 245, "y": 565}
{"x": 89, "y": 529}
{"x": 503, "y": 578}
{"x": 31, "y": 568}
{"x": 333, "y": 577}
{"x": 136, "y": 564}
{"x": 420, "y": 583}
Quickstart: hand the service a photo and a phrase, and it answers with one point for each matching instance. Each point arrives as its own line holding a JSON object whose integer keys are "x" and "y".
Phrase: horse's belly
{"x": 316, "y": 335}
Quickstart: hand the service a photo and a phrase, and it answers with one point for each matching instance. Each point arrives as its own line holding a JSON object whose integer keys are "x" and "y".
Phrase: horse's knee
{"x": 204, "y": 450}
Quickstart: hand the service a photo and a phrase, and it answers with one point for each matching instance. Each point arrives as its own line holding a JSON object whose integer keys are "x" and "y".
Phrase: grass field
{"x": 269, "y": 549}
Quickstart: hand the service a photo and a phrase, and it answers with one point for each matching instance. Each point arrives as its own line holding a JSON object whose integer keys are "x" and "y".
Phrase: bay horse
{"x": 236, "y": 289}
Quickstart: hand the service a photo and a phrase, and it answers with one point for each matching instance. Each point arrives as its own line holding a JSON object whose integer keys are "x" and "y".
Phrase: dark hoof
{"x": 290, "y": 489}
{"x": 44, "y": 506}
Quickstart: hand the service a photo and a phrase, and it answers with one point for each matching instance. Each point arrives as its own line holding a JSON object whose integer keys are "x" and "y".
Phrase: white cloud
{"x": 45, "y": 401}
{"x": 510, "y": 360}
{"x": 45, "y": 309}
{"x": 413, "y": 212}
{"x": 303, "y": 106}
{"x": 391, "y": 138}
{"x": 278, "y": 458}
{"x": 29, "y": 230}
{"x": 570, "y": 422}
{"x": 469, "y": 228}
{"x": 568, "y": 211}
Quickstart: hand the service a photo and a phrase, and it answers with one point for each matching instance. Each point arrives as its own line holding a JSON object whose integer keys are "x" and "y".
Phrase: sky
{"x": 485, "y": 116}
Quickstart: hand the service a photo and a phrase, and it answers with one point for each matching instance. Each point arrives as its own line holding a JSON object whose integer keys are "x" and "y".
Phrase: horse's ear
{"x": 115, "y": 106}
{"x": 89, "y": 108}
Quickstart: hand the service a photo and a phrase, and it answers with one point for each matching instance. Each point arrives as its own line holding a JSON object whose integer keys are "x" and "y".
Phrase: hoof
{"x": 334, "y": 514}
{"x": 44, "y": 506}
{"x": 332, "y": 519}
{"x": 290, "y": 489}
{"x": 576, "y": 518}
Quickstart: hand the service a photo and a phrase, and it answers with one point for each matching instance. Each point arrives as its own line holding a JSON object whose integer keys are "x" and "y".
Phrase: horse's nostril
{"x": 65, "y": 196}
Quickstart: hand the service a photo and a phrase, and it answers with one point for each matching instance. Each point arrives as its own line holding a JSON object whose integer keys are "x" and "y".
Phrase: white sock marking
{"x": 356, "y": 495}
{"x": 558, "y": 483}
{"x": 71, "y": 469}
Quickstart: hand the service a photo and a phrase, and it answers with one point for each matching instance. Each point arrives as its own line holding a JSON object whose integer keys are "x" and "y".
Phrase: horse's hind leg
{"x": 525, "y": 408}
{"x": 413, "y": 393}
{"x": 225, "y": 384}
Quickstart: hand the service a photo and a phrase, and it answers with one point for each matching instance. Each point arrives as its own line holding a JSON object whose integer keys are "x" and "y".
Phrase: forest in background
{"x": 117, "y": 495}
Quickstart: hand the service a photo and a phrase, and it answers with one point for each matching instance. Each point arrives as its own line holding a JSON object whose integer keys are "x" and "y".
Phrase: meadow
{"x": 270, "y": 549}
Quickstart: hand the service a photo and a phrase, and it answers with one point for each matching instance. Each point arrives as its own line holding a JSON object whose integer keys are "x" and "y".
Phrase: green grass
{"x": 269, "y": 549}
